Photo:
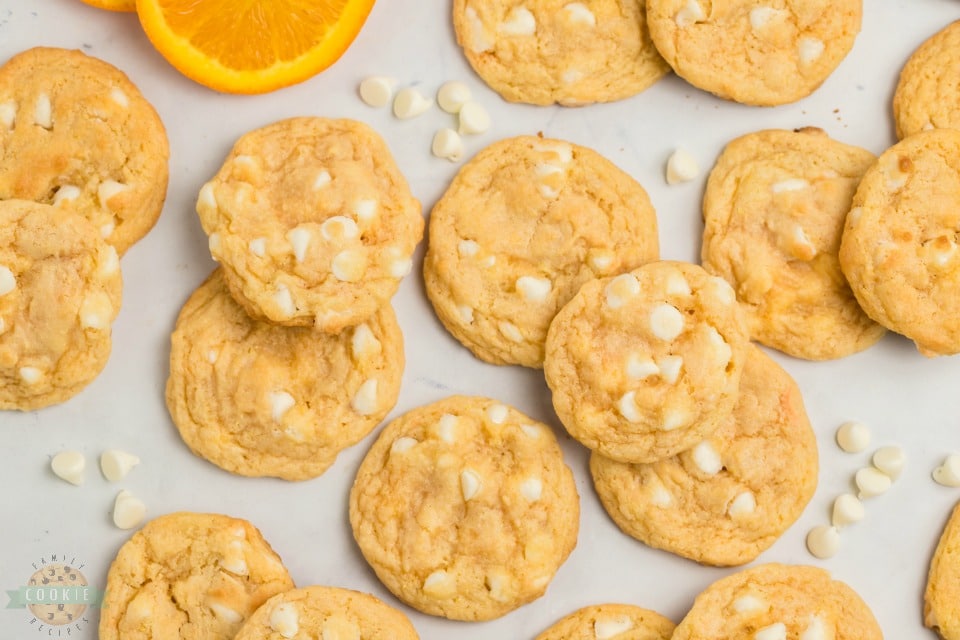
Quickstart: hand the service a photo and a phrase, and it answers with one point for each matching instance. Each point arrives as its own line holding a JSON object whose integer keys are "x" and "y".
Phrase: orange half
{"x": 252, "y": 46}
{"x": 113, "y": 5}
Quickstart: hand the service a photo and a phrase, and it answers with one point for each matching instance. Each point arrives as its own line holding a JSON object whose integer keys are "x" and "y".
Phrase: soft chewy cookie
{"x": 326, "y": 613}
{"x": 312, "y": 222}
{"x": 899, "y": 248}
{"x": 928, "y": 94}
{"x": 465, "y": 509}
{"x": 774, "y": 210}
{"x": 731, "y": 496}
{"x": 646, "y": 364}
{"x": 192, "y": 576}
{"x": 75, "y": 130}
{"x": 60, "y": 290}
{"x": 610, "y": 622}
{"x": 557, "y": 51}
{"x": 260, "y": 399}
{"x": 940, "y": 611}
{"x": 522, "y": 226}
{"x": 761, "y": 53}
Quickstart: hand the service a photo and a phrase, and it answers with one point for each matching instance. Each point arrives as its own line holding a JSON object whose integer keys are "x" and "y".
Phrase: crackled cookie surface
{"x": 610, "y": 622}
{"x": 899, "y": 247}
{"x": 774, "y": 210}
{"x": 60, "y": 290}
{"x": 647, "y": 364}
{"x": 465, "y": 509}
{"x": 75, "y": 131}
{"x": 522, "y": 226}
{"x": 260, "y": 399}
{"x": 312, "y": 222}
{"x": 731, "y": 496}
{"x": 762, "y": 53}
{"x": 928, "y": 94}
{"x": 192, "y": 576}
{"x": 557, "y": 51}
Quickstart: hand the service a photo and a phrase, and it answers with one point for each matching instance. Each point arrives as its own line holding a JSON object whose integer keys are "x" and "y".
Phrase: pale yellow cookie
{"x": 465, "y": 509}
{"x": 928, "y": 94}
{"x": 259, "y": 399}
{"x": 193, "y": 576}
{"x": 326, "y": 613}
{"x": 559, "y": 51}
{"x": 760, "y": 52}
{"x": 942, "y": 596}
{"x": 522, "y": 226}
{"x": 647, "y": 364}
{"x": 730, "y": 497}
{"x": 74, "y": 131}
{"x": 312, "y": 221}
{"x": 610, "y": 622}
{"x": 899, "y": 248}
{"x": 773, "y": 213}
{"x": 60, "y": 290}
{"x": 776, "y": 601}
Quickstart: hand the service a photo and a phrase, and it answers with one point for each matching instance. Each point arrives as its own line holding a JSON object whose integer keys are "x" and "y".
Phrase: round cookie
{"x": 522, "y": 226}
{"x": 646, "y": 364}
{"x": 773, "y": 210}
{"x": 556, "y": 51}
{"x": 259, "y": 399}
{"x": 465, "y": 509}
{"x": 779, "y": 601}
{"x": 191, "y": 576}
{"x": 326, "y": 612}
{"x": 928, "y": 94}
{"x": 75, "y": 130}
{"x": 60, "y": 290}
{"x": 731, "y": 496}
{"x": 940, "y": 611}
{"x": 899, "y": 250}
{"x": 610, "y": 622}
{"x": 312, "y": 221}
{"x": 761, "y": 54}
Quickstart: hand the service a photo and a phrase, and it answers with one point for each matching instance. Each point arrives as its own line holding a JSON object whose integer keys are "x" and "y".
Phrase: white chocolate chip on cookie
{"x": 42, "y": 112}
{"x": 580, "y": 14}
{"x": 285, "y": 620}
{"x": 519, "y": 22}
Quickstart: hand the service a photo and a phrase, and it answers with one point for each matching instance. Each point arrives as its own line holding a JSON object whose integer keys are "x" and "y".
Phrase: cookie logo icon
{"x": 57, "y": 596}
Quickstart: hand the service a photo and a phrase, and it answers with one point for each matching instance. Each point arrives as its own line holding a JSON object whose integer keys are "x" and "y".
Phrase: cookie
{"x": 312, "y": 222}
{"x": 899, "y": 250}
{"x": 75, "y": 131}
{"x": 190, "y": 576}
{"x": 928, "y": 93}
{"x": 940, "y": 611}
{"x": 464, "y": 508}
{"x": 60, "y": 290}
{"x": 522, "y": 226}
{"x": 731, "y": 496}
{"x": 646, "y": 364}
{"x": 761, "y": 54}
{"x": 259, "y": 399}
{"x": 773, "y": 213}
{"x": 779, "y": 601}
{"x": 326, "y": 612}
{"x": 610, "y": 622}
{"x": 554, "y": 51}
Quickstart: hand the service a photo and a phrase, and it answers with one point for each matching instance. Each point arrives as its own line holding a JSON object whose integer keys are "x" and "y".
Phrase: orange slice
{"x": 251, "y": 46}
{"x": 113, "y": 5}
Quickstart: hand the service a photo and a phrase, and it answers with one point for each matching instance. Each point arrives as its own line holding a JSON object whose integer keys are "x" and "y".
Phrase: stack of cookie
{"x": 83, "y": 176}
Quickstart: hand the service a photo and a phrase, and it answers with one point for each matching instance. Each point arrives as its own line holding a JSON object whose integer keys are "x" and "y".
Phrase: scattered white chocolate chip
{"x": 670, "y": 367}
{"x": 466, "y": 313}
{"x": 284, "y": 301}
{"x": 365, "y": 399}
{"x": 519, "y": 22}
{"x": 497, "y": 413}
{"x": 299, "y": 239}
{"x": 438, "y": 583}
{"x": 948, "y": 473}
{"x": 118, "y": 96}
{"x": 69, "y": 466}
{"x": 760, "y": 16}
{"x": 722, "y": 290}
{"x": 809, "y": 49}
{"x": 681, "y": 167}
{"x": 510, "y": 330}
{"x": 376, "y": 91}
{"x": 847, "y": 509}
{"x": 689, "y": 14}
{"x": 748, "y": 604}
{"x": 479, "y": 40}
{"x": 224, "y": 612}
{"x": 213, "y": 243}
{"x": 339, "y": 228}
{"x": 447, "y": 144}
{"x": 579, "y": 13}
{"x": 800, "y": 246}
{"x": 109, "y": 262}
{"x": 206, "y": 199}
{"x": 285, "y": 620}
{"x": 8, "y": 114}
{"x": 453, "y": 95}
{"x": 889, "y": 460}
{"x": 673, "y": 419}
{"x": 775, "y": 631}
{"x": 323, "y": 179}
{"x": 447, "y": 428}
{"x": 258, "y": 247}
{"x": 116, "y": 464}
{"x": 30, "y": 375}
{"x": 666, "y": 322}
{"x": 853, "y": 436}
{"x": 707, "y": 459}
{"x": 497, "y": 584}
{"x": 823, "y": 541}
{"x": 640, "y": 368}
{"x": 96, "y": 311}
{"x": 600, "y": 259}
{"x": 468, "y": 248}
{"x": 531, "y": 489}
{"x": 234, "y": 561}
{"x": 66, "y": 193}
{"x": 620, "y": 289}
{"x": 660, "y": 497}
{"x": 816, "y": 630}
{"x": 790, "y": 184}
{"x": 871, "y": 482}
{"x": 606, "y": 628}
{"x": 7, "y": 280}
{"x": 474, "y": 119}
{"x": 403, "y": 444}
{"x": 627, "y": 406}
{"x": 108, "y": 189}
{"x": 348, "y": 266}
{"x": 743, "y": 504}
{"x": 128, "y": 510}
{"x": 469, "y": 483}
{"x": 106, "y": 230}
{"x": 410, "y": 103}
{"x": 534, "y": 289}
{"x": 42, "y": 112}
{"x": 677, "y": 285}
{"x": 363, "y": 343}
{"x": 280, "y": 403}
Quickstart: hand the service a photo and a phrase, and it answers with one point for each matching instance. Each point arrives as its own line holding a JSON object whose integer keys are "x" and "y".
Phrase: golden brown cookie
{"x": 191, "y": 576}
{"x": 522, "y": 226}
{"x": 774, "y": 210}
{"x": 647, "y": 364}
{"x": 899, "y": 248}
{"x": 259, "y": 399}
{"x": 312, "y": 221}
{"x": 610, "y": 622}
{"x": 928, "y": 94}
{"x": 731, "y": 496}
{"x": 762, "y": 53}
{"x": 326, "y": 613}
{"x": 60, "y": 290}
{"x": 776, "y": 601}
{"x": 940, "y": 610}
{"x": 557, "y": 51}
{"x": 465, "y": 509}
{"x": 75, "y": 131}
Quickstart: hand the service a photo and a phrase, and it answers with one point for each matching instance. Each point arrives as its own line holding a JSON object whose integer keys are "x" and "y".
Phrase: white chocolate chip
{"x": 871, "y": 482}
{"x": 69, "y": 466}
{"x": 339, "y": 229}
{"x": 118, "y": 96}
{"x": 600, "y": 259}
{"x": 489, "y": 261}
{"x": 816, "y": 630}
{"x": 376, "y": 91}
{"x": 7, "y": 280}
{"x": 8, "y": 114}
{"x": 666, "y": 322}
{"x": 748, "y": 604}
{"x": 620, "y": 289}
{"x": 497, "y": 584}
{"x": 562, "y": 151}
{"x": 213, "y": 243}
{"x": 579, "y": 13}
{"x": 447, "y": 144}
{"x": 519, "y": 22}
{"x": 447, "y": 428}
{"x": 823, "y": 541}
{"x": 479, "y": 40}
{"x": 473, "y": 119}
{"x": 30, "y": 375}
{"x": 854, "y": 216}
{"x": 707, "y": 459}
{"x": 670, "y": 367}
{"x": 221, "y": 610}
{"x": 212, "y": 356}
{"x": 108, "y": 189}
{"x": 453, "y": 95}
{"x": 948, "y": 473}
{"x": 410, "y": 103}
{"x": 661, "y": 497}
{"x": 285, "y": 620}
{"x": 96, "y": 311}
{"x": 497, "y": 413}
{"x": 128, "y": 510}
{"x": 466, "y": 313}
{"x": 363, "y": 343}
{"x": 809, "y": 49}
{"x": 801, "y": 246}
{"x": 534, "y": 289}
{"x": 438, "y": 584}
{"x": 280, "y": 403}
{"x": 284, "y": 301}
{"x": 853, "y": 436}
{"x": 531, "y": 489}
{"x": 106, "y": 230}
{"x": 206, "y": 199}
{"x": 775, "y": 631}
{"x": 743, "y": 504}
{"x": 889, "y": 460}
{"x": 366, "y": 210}
{"x": 847, "y": 509}
{"x": 673, "y": 419}
{"x": 403, "y": 444}
{"x": 689, "y": 14}
{"x": 510, "y": 330}
{"x": 234, "y": 561}
{"x": 722, "y": 290}
{"x": 323, "y": 179}
{"x": 3, "y": 325}
{"x": 571, "y": 75}
{"x": 116, "y": 464}
{"x": 530, "y": 431}
{"x": 109, "y": 262}
{"x": 66, "y": 193}
{"x": 760, "y": 16}
{"x": 640, "y": 368}
{"x": 42, "y": 112}
{"x": 468, "y": 248}
{"x": 790, "y": 184}
{"x": 940, "y": 250}
{"x": 299, "y": 239}
{"x": 722, "y": 350}
{"x": 606, "y": 628}
{"x": 348, "y": 266}
{"x": 470, "y": 483}
{"x": 682, "y": 167}
{"x": 258, "y": 247}
{"x": 365, "y": 400}
{"x": 627, "y": 406}
{"x": 677, "y": 285}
